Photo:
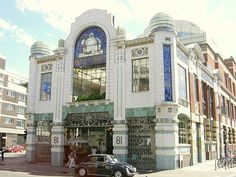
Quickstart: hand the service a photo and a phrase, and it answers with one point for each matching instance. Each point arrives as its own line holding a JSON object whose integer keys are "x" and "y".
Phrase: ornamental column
{"x": 57, "y": 140}
{"x": 120, "y": 129}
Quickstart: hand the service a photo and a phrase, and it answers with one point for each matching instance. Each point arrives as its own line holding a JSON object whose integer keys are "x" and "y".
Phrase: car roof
{"x": 104, "y": 155}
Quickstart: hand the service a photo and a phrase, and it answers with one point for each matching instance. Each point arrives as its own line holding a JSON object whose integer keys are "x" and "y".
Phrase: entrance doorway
{"x": 87, "y": 130}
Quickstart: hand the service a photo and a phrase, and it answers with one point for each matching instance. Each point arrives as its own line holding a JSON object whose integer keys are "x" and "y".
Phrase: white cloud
{"x": 214, "y": 17}
{"x": 19, "y": 34}
{"x": 3, "y": 56}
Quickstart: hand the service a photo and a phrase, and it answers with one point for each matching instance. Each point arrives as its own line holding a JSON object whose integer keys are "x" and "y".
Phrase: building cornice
{"x": 49, "y": 58}
{"x": 139, "y": 41}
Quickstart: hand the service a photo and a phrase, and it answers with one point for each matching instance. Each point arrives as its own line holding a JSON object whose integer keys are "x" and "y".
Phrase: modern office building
{"x": 155, "y": 101}
{"x": 13, "y": 103}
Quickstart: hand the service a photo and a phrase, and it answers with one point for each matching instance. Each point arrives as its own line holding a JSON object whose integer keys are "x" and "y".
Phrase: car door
{"x": 101, "y": 166}
{"x": 92, "y": 166}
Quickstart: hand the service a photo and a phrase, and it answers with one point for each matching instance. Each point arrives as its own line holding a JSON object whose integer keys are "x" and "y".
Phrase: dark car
{"x": 104, "y": 165}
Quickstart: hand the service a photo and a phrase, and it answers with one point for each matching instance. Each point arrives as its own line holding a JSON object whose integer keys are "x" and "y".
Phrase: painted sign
{"x": 167, "y": 72}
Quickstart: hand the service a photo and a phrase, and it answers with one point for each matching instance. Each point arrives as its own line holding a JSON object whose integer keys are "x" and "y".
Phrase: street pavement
{"x": 16, "y": 165}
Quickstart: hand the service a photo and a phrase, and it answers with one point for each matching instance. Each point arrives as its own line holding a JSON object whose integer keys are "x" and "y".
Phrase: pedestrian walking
{"x": 2, "y": 153}
{"x": 72, "y": 156}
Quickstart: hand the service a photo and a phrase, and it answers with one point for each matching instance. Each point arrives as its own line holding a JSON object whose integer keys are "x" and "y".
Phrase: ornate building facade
{"x": 156, "y": 102}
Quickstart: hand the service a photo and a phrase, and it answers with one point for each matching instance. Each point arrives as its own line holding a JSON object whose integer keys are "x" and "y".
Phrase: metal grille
{"x": 141, "y": 145}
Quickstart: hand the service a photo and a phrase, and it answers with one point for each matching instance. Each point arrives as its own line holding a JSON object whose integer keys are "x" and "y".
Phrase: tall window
{"x": 183, "y": 130}
{"x": 182, "y": 83}
{"x": 89, "y": 81}
{"x": 140, "y": 75}
{"x": 204, "y": 98}
{"x": 196, "y": 95}
{"x": 45, "y": 91}
{"x": 210, "y": 101}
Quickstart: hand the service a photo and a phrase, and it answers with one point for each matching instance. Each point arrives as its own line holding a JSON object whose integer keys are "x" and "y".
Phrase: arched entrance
{"x": 87, "y": 130}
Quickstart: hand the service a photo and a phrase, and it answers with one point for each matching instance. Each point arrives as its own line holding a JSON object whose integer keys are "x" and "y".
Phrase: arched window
{"x": 183, "y": 130}
{"x": 89, "y": 81}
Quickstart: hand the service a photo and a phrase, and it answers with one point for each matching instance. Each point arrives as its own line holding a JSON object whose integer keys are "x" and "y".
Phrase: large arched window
{"x": 90, "y": 65}
{"x": 183, "y": 130}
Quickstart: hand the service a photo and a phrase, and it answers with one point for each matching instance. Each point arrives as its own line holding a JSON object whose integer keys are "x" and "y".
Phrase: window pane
{"x": 140, "y": 80}
{"x": 45, "y": 92}
{"x": 182, "y": 83}
{"x": 89, "y": 81}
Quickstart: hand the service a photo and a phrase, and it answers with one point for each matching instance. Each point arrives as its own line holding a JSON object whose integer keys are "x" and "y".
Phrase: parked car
{"x": 14, "y": 148}
{"x": 104, "y": 165}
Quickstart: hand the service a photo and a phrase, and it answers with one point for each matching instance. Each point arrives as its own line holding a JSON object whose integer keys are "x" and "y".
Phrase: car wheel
{"x": 82, "y": 172}
{"x": 118, "y": 174}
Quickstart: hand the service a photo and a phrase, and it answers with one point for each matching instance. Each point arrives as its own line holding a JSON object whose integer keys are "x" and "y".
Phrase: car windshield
{"x": 113, "y": 159}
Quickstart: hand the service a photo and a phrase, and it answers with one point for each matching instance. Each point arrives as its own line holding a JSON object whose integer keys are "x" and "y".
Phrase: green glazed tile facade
{"x": 89, "y": 108}
{"x": 141, "y": 112}
{"x": 43, "y": 117}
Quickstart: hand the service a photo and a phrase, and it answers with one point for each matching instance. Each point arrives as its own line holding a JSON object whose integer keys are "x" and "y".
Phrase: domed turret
{"x": 39, "y": 48}
{"x": 161, "y": 22}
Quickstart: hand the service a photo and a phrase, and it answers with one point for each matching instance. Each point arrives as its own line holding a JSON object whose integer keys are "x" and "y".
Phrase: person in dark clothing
{"x": 2, "y": 153}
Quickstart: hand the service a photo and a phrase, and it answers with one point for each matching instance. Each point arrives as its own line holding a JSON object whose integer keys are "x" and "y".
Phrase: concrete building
{"x": 13, "y": 103}
{"x": 156, "y": 102}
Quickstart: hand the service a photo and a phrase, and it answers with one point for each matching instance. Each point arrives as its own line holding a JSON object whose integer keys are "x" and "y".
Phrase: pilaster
{"x": 120, "y": 140}
{"x": 167, "y": 129}
{"x": 31, "y": 140}
{"x": 57, "y": 143}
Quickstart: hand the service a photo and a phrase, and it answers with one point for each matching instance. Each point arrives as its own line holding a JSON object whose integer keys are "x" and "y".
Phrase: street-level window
{"x": 140, "y": 75}
{"x": 183, "y": 130}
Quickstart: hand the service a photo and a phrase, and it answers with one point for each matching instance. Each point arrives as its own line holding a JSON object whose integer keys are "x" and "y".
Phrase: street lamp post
{"x": 220, "y": 139}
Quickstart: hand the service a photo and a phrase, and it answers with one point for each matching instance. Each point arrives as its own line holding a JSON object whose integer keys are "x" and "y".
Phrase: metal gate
{"x": 43, "y": 141}
{"x": 141, "y": 143}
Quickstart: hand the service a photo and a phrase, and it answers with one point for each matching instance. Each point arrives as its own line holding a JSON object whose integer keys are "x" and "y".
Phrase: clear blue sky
{"x": 22, "y": 22}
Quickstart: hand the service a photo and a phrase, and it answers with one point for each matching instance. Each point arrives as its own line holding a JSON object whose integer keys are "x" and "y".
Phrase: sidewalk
{"x": 206, "y": 169}
{"x": 17, "y": 166}
{"x": 15, "y": 162}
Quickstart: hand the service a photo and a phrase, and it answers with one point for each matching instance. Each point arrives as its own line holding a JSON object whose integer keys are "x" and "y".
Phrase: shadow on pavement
{"x": 20, "y": 164}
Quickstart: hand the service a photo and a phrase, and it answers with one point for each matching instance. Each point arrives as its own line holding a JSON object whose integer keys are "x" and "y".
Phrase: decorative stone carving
{"x": 120, "y": 55}
{"x": 46, "y": 67}
{"x": 88, "y": 119}
{"x": 139, "y": 52}
{"x": 50, "y": 58}
{"x": 60, "y": 66}
{"x": 139, "y": 42}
